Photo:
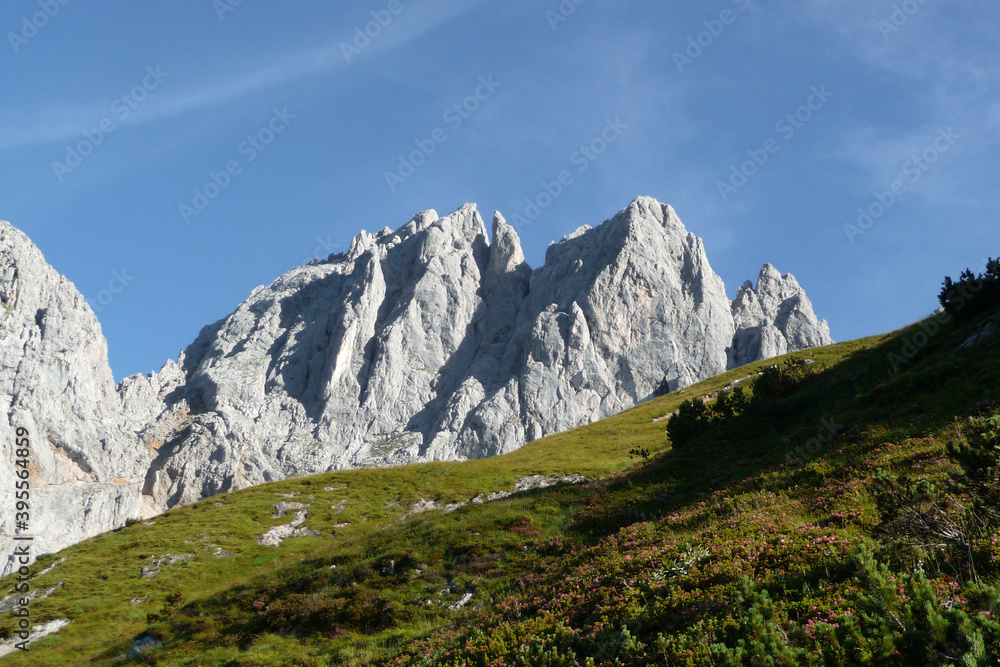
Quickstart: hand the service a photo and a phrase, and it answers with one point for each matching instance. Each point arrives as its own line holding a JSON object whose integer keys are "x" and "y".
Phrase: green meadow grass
{"x": 672, "y": 536}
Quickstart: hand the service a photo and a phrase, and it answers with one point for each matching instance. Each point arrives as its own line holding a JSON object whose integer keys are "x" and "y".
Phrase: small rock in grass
{"x": 464, "y": 600}
{"x": 281, "y": 508}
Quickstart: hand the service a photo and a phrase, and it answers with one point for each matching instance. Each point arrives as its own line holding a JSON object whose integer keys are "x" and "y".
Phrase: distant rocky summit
{"x": 429, "y": 342}
{"x": 773, "y": 318}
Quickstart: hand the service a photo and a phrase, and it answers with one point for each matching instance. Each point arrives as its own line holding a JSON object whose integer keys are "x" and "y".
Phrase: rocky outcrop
{"x": 85, "y": 467}
{"x": 432, "y": 342}
{"x": 8, "y": 646}
{"x": 435, "y": 341}
{"x": 774, "y": 318}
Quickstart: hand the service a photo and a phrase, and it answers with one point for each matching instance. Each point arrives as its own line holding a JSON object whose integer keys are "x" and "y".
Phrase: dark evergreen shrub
{"x": 972, "y": 294}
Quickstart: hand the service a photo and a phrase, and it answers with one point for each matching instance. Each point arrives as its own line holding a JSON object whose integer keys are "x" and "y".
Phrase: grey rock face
{"x": 85, "y": 466}
{"x": 774, "y": 318}
{"x": 426, "y": 343}
{"x": 432, "y": 343}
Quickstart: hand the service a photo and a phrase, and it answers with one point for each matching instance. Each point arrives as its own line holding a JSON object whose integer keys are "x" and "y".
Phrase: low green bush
{"x": 972, "y": 294}
{"x": 773, "y": 383}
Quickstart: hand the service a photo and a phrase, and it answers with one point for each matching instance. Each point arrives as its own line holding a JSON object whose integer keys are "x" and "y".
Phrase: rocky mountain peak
{"x": 506, "y": 256}
{"x": 429, "y": 342}
{"x": 774, "y": 318}
{"x": 649, "y": 209}
{"x": 772, "y": 283}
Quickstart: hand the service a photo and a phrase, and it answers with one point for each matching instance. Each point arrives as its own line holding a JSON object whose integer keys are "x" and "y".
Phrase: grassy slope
{"x": 730, "y": 492}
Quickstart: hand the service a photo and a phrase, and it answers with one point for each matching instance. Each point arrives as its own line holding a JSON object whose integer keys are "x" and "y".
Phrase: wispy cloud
{"x": 946, "y": 83}
{"x": 50, "y": 123}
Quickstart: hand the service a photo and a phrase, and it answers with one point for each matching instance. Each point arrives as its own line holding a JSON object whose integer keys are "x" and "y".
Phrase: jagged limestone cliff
{"x": 425, "y": 343}
{"x": 773, "y": 318}
{"x": 85, "y": 467}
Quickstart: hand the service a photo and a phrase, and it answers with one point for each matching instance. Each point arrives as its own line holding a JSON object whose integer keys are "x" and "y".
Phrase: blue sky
{"x": 114, "y": 113}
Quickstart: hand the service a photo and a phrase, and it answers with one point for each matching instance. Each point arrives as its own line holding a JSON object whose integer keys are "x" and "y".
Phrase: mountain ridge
{"x": 429, "y": 342}
{"x": 450, "y": 347}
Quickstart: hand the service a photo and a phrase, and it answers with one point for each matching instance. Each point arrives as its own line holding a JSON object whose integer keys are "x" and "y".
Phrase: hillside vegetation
{"x": 850, "y": 518}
